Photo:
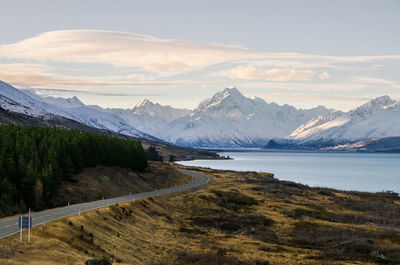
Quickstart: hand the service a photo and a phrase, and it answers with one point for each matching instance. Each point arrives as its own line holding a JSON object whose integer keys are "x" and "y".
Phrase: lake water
{"x": 346, "y": 171}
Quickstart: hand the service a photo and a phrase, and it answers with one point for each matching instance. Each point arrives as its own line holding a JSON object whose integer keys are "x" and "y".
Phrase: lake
{"x": 346, "y": 171}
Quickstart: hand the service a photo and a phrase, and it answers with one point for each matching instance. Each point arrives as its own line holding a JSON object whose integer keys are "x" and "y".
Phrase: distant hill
{"x": 382, "y": 145}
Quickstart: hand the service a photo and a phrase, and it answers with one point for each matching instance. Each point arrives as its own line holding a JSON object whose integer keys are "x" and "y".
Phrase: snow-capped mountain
{"x": 376, "y": 119}
{"x": 229, "y": 119}
{"x": 17, "y": 101}
{"x": 29, "y": 103}
{"x": 149, "y": 117}
{"x": 73, "y": 102}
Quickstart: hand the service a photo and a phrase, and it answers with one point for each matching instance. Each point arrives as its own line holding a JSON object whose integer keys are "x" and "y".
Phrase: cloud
{"x": 374, "y": 81}
{"x": 314, "y": 97}
{"x": 124, "y": 49}
{"x": 29, "y": 80}
{"x": 324, "y": 76}
{"x": 270, "y": 75}
{"x": 309, "y": 86}
{"x": 50, "y": 91}
{"x": 25, "y": 67}
{"x": 154, "y": 54}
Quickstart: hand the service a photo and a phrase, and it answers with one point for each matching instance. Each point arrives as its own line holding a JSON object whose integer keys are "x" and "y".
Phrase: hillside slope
{"x": 244, "y": 218}
{"x": 109, "y": 182}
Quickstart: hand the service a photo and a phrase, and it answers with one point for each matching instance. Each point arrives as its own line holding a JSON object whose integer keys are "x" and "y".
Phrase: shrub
{"x": 235, "y": 197}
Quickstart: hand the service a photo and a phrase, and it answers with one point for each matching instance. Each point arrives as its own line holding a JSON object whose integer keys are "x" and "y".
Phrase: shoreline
{"x": 306, "y": 186}
{"x": 345, "y": 179}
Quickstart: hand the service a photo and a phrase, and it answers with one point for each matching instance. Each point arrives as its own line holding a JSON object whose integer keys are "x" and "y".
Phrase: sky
{"x": 115, "y": 53}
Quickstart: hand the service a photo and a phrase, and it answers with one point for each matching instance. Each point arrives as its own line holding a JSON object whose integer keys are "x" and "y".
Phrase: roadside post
{"x": 29, "y": 225}
{"x": 25, "y": 222}
{"x": 20, "y": 229}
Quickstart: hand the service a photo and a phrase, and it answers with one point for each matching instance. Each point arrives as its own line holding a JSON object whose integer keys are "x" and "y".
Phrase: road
{"x": 10, "y": 226}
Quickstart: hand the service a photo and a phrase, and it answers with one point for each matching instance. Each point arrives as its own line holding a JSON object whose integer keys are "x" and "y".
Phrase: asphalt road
{"x": 10, "y": 226}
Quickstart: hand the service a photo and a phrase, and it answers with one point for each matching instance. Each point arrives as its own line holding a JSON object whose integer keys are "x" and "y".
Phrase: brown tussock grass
{"x": 286, "y": 224}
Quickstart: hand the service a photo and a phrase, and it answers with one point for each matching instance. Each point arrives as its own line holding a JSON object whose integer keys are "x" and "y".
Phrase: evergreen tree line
{"x": 34, "y": 161}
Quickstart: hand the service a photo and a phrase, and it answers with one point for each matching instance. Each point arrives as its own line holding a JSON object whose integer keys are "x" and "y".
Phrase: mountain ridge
{"x": 228, "y": 119}
{"x": 378, "y": 118}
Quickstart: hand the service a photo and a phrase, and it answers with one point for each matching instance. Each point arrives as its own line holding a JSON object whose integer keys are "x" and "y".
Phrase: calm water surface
{"x": 346, "y": 171}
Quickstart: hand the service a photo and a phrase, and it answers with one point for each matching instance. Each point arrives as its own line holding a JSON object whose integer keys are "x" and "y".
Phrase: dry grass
{"x": 239, "y": 218}
{"x": 108, "y": 182}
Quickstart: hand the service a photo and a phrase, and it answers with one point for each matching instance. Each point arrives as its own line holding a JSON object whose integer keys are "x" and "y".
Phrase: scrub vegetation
{"x": 239, "y": 218}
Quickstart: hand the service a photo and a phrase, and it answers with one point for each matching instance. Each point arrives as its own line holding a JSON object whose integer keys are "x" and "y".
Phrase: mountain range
{"x": 378, "y": 118}
{"x": 226, "y": 120}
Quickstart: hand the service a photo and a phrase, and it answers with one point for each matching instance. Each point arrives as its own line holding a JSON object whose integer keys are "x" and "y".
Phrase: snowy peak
{"x": 229, "y": 97}
{"x": 229, "y": 119}
{"x": 232, "y": 92}
{"x": 380, "y": 102}
{"x": 167, "y": 113}
{"x": 73, "y": 102}
{"x": 145, "y": 103}
{"x": 374, "y": 106}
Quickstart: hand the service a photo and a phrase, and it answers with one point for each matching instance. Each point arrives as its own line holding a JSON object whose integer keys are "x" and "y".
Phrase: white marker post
{"x": 20, "y": 229}
{"x": 29, "y": 226}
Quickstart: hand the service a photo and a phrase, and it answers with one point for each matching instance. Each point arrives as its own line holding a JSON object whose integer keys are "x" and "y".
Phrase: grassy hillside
{"x": 109, "y": 182}
{"x": 239, "y": 218}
